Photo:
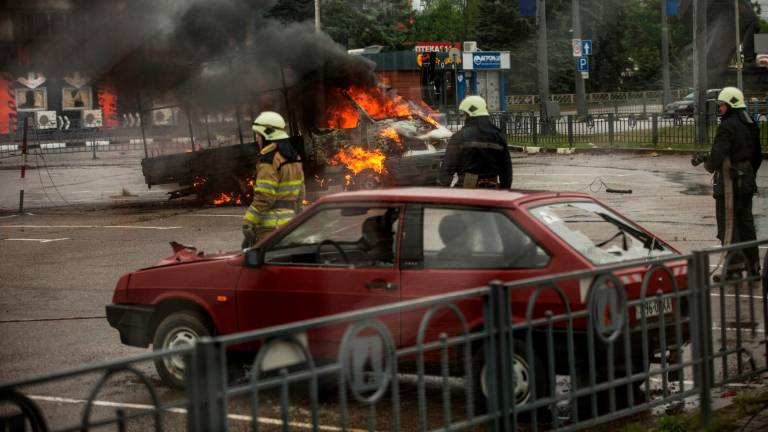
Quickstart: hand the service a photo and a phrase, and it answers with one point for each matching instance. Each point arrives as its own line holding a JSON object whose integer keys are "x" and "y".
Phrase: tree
{"x": 440, "y": 21}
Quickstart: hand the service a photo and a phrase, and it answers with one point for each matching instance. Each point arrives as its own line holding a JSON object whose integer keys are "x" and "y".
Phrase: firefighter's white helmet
{"x": 475, "y": 106}
{"x": 732, "y": 97}
{"x": 270, "y": 125}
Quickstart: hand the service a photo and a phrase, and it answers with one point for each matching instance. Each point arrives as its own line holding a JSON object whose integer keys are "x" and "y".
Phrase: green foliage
{"x": 749, "y": 403}
{"x": 353, "y": 27}
{"x": 443, "y": 20}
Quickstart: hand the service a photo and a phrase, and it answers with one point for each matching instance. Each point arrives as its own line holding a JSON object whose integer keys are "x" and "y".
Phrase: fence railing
{"x": 568, "y": 351}
{"x": 603, "y": 130}
{"x": 618, "y": 102}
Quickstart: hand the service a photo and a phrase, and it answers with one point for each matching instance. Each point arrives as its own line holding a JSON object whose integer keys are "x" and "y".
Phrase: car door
{"x": 452, "y": 248}
{"x": 338, "y": 259}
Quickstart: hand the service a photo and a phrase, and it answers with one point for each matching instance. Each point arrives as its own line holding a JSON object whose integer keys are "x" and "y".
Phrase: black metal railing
{"x": 567, "y": 351}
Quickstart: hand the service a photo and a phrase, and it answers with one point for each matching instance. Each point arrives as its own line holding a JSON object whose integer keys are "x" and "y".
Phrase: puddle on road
{"x": 691, "y": 187}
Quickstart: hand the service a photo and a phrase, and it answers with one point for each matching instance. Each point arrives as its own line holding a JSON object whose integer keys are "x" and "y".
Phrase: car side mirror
{"x": 254, "y": 257}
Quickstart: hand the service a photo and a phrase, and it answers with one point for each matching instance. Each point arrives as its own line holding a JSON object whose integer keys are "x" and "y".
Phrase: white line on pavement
{"x": 37, "y": 240}
{"x": 140, "y": 227}
{"x": 91, "y": 226}
{"x": 740, "y": 296}
{"x": 9, "y": 216}
{"x": 215, "y": 215}
{"x": 744, "y": 330}
{"x": 265, "y": 420}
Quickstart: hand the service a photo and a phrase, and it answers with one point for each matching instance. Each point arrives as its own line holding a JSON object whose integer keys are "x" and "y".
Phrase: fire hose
{"x": 725, "y": 172}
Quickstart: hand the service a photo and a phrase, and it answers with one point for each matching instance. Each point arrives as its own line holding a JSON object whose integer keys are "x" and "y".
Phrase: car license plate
{"x": 653, "y": 307}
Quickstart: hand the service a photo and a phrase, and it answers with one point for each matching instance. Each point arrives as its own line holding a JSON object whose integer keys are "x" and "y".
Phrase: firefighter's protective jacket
{"x": 278, "y": 190}
{"x": 479, "y": 148}
{"x": 738, "y": 138}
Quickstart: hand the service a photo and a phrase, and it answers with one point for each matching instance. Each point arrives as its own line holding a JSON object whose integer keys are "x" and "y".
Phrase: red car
{"x": 354, "y": 250}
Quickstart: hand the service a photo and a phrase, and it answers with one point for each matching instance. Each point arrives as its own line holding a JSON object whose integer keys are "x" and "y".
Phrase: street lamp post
{"x": 739, "y": 65}
{"x": 317, "y": 16}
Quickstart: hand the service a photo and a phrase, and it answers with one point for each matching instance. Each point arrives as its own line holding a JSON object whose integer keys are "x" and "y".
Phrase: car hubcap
{"x": 522, "y": 383}
{"x": 180, "y": 337}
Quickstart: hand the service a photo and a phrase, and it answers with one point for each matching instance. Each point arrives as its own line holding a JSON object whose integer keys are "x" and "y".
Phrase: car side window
{"x": 477, "y": 239}
{"x": 347, "y": 236}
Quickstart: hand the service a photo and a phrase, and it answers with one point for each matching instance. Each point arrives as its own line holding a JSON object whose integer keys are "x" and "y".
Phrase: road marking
{"x": 140, "y": 227}
{"x": 9, "y": 216}
{"x": 91, "y": 226}
{"x": 37, "y": 240}
{"x": 740, "y": 296}
{"x": 743, "y": 330}
{"x": 215, "y": 215}
{"x": 241, "y": 417}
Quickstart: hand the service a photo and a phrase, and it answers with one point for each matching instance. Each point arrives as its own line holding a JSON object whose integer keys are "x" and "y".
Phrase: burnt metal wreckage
{"x": 402, "y": 149}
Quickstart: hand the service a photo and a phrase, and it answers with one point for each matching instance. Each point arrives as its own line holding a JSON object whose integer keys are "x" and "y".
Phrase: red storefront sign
{"x": 427, "y": 47}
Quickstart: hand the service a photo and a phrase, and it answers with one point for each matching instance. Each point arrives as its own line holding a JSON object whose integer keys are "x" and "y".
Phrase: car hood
{"x": 186, "y": 254}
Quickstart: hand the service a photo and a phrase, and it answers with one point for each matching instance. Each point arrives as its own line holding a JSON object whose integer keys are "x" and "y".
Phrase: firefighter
{"x": 734, "y": 159}
{"x": 478, "y": 153}
{"x": 278, "y": 189}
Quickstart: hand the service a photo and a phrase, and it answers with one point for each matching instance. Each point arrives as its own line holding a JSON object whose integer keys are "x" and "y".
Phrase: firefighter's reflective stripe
{"x": 265, "y": 186}
{"x": 483, "y": 145}
{"x": 270, "y": 218}
{"x": 289, "y": 188}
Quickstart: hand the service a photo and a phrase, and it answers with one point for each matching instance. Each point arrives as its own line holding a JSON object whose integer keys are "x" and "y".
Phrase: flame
{"x": 375, "y": 103}
{"x": 226, "y": 198}
{"x": 198, "y": 181}
{"x": 347, "y": 182}
{"x": 392, "y": 134}
{"x": 357, "y": 159}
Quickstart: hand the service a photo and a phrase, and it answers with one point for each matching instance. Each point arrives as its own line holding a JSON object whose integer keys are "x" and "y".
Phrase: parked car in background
{"x": 684, "y": 106}
{"x": 362, "y": 249}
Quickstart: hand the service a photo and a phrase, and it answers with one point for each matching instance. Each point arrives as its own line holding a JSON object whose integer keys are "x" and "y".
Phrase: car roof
{"x": 483, "y": 197}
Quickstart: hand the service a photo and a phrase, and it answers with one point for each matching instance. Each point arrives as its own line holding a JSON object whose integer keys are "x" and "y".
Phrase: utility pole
{"x": 317, "y": 16}
{"x": 581, "y": 99}
{"x": 543, "y": 64}
{"x": 739, "y": 64}
{"x": 666, "y": 95}
{"x": 700, "y": 70}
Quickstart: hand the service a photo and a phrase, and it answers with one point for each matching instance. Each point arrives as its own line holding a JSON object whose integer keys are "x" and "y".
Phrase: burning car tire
{"x": 177, "y": 330}
{"x": 368, "y": 180}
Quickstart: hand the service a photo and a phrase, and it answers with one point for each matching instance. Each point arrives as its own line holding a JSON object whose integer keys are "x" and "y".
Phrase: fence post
{"x": 205, "y": 375}
{"x": 534, "y": 129}
{"x": 570, "y": 130}
{"x": 611, "y": 118}
{"x": 497, "y": 351}
{"x": 645, "y": 103}
{"x": 698, "y": 282}
{"x": 24, "y": 151}
{"x": 655, "y": 128}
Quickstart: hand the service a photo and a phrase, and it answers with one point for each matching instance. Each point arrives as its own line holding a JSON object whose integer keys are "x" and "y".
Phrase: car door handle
{"x": 381, "y": 284}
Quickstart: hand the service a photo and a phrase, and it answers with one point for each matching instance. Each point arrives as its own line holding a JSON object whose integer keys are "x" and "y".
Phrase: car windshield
{"x": 598, "y": 234}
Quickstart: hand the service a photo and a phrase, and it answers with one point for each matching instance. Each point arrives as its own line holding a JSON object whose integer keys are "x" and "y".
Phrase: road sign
{"x": 586, "y": 47}
{"x": 585, "y": 75}
{"x": 576, "y": 44}
{"x": 583, "y": 64}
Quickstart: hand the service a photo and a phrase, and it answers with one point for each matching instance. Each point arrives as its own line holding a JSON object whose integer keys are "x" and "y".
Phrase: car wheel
{"x": 177, "y": 330}
{"x": 523, "y": 373}
{"x": 368, "y": 180}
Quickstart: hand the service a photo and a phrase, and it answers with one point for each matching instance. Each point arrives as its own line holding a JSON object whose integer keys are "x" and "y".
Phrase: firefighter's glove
{"x": 250, "y": 235}
{"x": 699, "y": 158}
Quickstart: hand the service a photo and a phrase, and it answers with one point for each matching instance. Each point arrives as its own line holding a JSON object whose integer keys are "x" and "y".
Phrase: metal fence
{"x": 602, "y": 130}
{"x": 566, "y": 352}
{"x": 603, "y": 103}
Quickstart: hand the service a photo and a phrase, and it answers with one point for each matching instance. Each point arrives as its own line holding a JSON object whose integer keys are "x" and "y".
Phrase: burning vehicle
{"x": 366, "y": 140}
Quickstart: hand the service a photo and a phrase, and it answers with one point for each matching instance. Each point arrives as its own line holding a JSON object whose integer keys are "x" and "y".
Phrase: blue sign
{"x": 586, "y": 47}
{"x": 672, "y": 7}
{"x": 486, "y": 60}
{"x": 527, "y": 8}
{"x": 583, "y": 64}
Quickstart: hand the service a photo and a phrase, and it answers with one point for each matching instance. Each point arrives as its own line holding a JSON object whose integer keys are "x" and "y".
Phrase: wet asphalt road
{"x": 89, "y": 221}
